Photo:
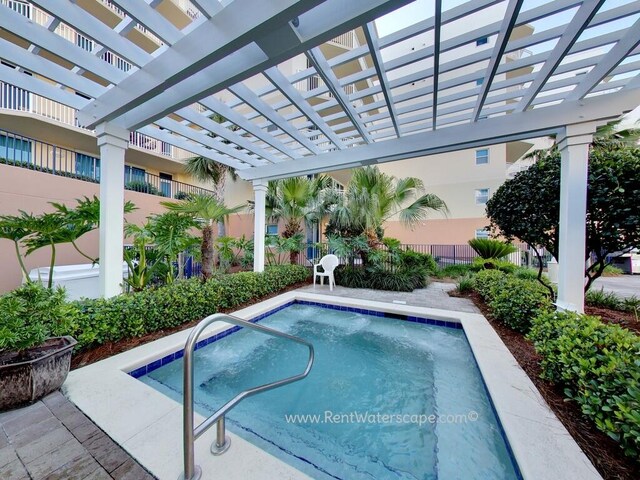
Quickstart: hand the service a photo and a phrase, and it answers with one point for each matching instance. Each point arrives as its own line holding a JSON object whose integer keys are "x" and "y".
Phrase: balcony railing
{"x": 17, "y": 99}
{"x": 25, "y": 152}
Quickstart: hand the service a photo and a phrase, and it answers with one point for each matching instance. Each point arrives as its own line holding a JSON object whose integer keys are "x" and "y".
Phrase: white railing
{"x": 346, "y": 40}
{"x": 314, "y": 81}
{"x": 20, "y": 100}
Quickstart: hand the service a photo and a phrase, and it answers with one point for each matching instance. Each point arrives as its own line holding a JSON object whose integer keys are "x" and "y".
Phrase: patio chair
{"x": 328, "y": 264}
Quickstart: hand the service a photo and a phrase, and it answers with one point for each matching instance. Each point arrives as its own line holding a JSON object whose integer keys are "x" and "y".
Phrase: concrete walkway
{"x": 53, "y": 440}
{"x": 624, "y": 286}
{"x": 434, "y": 296}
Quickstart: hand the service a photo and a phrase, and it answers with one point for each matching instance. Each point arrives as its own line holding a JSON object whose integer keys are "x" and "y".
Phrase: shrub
{"x": 602, "y": 299}
{"x": 31, "y": 314}
{"x": 612, "y": 271}
{"x": 487, "y": 281}
{"x": 409, "y": 259}
{"x": 125, "y": 316}
{"x": 488, "y": 248}
{"x": 598, "y": 365}
{"x": 526, "y": 273}
{"x": 351, "y": 277}
{"x": 143, "y": 187}
{"x": 493, "y": 264}
{"x": 453, "y": 271}
{"x": 402, "y": 279}
{"x": 516, "y": 302}
{"x": 465, "y": 284}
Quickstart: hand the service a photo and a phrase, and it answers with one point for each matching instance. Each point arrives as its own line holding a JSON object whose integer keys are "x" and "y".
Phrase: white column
{"x": 259, "y": 229}
{"x": 113, "y": 142}
{"x": 573, "y": 143}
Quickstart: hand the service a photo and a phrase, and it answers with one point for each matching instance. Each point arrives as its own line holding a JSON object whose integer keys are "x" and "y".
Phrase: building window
{"x": 134, "y": 174}
{"x": 482, "y": 41}
{"x": 482, "y": 196}
{"x": 482, "y": 233}
{"x": 165, "y": 184}
{"x": 479, "y": 81}
{"x": 15, "y": 150}
{"x": 272, "y": 229}
{"x": 482, "y": 156}
{"x": 87, "y": 166}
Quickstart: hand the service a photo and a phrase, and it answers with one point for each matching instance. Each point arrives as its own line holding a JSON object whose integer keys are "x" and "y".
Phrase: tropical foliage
{"x": 206, "y": 211}
{"x": 488, "y": 248}
{"x": 373, "y": 197}
{"x": 64, "y": 225}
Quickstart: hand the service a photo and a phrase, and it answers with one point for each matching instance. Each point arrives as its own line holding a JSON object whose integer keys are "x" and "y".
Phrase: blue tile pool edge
{"x": 154, "y": 365}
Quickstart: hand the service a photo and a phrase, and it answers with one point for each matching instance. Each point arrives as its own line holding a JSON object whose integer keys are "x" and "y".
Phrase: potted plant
{"x": 35, "y": 352}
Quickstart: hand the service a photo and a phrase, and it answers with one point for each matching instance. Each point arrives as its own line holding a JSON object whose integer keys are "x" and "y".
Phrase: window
{"x": 165, "y": 184}
{"x": 272, "y": 229}
{"x": 482, "y": 196}
{"x": 15, "y": 149}
{"x": 482, "y": 233}
{"x": 482, "y": 156}
{"x": 87, "y": 166}
{"x": 479, "y": 81}
{"x": 482, "y": 41}
{"x": 134, "y": 174}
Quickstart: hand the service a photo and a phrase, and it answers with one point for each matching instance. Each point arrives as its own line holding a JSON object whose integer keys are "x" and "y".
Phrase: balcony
{"x": 20, "y": 100}
{"x": 24, "y": 152}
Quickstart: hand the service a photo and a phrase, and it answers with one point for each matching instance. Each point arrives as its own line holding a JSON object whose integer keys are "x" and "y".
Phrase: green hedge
{"x": 599, "y": 366}
{"x": 513, "y": 301}
{"x": 107, "y": 320}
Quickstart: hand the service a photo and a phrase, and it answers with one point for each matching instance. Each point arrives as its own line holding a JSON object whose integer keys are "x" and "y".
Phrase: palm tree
{"x": 208, "y": 170}
{"x": 206, "y": 210}
{"x": 299, "y": 200}
{"x": 373, "y": 197}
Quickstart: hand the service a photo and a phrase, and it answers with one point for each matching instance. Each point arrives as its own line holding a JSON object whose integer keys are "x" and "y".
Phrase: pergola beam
{"x": 146, "y": 15}
{"x": 436, "y": 62}
{"x": 276, "y": 77}
{"x": 242, "y": 91}
{"x": 331, "y": 81}
{"x": 578, "y": 24}
{"x": 91, "y": 27}
{"x": 612, "y": 58}
{"x": 517, "y": 126}
{"x": 221, "y": 108}
{"x": 508, "y": 23}
{"x": 374, "y": 48}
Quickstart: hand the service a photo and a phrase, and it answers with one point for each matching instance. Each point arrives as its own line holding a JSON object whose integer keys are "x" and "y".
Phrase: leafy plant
{"x": 516, "y": 302}
{"x": 598, "y": 366}
{"x": 602, "y": 299}
{"x": 126, "y": 316}
{"x": 141, "y": 271}
{"x": 143, "y": 187}
{"x": 528, "y": 206}
{"x": 170, "y": 236}
{"x": 611, "y": 271}
{"x": 206, "y": 211}
{"x": 31, "y": 314}
{"x": 465, "y": 284}
{"x": 488, "y": 248}
{"x": 277, "y": 249}
{"x": 487, "y": 282}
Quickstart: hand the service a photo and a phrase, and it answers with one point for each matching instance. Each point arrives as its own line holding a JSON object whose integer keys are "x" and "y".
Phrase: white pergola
{"x": 581, "y": 70}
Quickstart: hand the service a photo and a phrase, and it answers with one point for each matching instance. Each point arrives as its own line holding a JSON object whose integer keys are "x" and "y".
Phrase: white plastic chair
{"x": 329, "y": 264}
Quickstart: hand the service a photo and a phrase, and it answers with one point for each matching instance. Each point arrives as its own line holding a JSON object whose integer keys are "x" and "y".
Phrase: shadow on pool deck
{"x": 434, "y": 296}
{"x": 52, "y": 439}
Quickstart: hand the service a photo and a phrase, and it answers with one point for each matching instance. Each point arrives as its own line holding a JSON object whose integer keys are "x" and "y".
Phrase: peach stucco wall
{"x": 449, "y": 231}
{"x": 22, "y": 189}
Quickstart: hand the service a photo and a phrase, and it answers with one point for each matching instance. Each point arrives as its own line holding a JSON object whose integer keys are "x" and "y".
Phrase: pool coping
{"x": 149, "y": 425}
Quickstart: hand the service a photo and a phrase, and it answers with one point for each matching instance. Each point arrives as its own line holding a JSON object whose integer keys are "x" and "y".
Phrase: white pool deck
{"x": 149, "y": 425}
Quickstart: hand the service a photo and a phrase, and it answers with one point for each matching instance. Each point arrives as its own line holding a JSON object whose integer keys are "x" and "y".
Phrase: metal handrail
{"x": 191, "y": 434}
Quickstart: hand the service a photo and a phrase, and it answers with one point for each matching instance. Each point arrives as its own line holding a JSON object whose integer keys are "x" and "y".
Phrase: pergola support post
{"x": 113, "y": 142}
{"x": 573, "y": 142}
{"x": 259, "y": 213}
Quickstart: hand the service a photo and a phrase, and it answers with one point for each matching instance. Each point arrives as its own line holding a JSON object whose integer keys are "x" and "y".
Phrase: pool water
{"x": 386, "y": 398}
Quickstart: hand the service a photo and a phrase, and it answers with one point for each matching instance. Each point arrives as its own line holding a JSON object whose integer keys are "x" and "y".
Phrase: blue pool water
{"x": 392, "y": 399}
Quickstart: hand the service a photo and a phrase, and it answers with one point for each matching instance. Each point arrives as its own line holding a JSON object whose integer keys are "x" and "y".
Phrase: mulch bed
{"x": 101, "y": 352}
{"x": 605, "y": 454}
{"x": 624, "y": 319}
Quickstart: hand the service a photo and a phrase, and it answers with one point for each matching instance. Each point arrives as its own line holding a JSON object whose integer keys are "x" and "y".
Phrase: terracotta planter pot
{"x": 35, "y": 373}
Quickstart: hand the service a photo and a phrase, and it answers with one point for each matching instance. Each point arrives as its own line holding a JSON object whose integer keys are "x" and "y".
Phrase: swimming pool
{"x": 386, "y": 398}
